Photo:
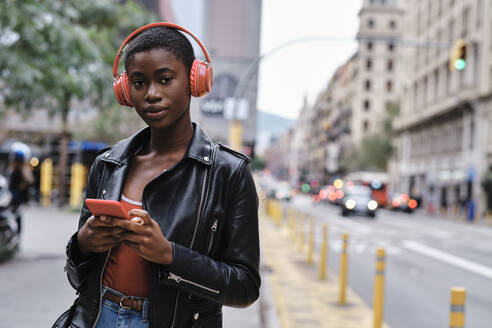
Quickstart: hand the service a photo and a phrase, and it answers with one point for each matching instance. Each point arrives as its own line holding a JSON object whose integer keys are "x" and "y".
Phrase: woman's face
{"x": 159, "y": 87}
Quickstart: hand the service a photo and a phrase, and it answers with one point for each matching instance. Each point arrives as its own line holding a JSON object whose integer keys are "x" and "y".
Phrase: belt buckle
{"x": 123, "y": 306}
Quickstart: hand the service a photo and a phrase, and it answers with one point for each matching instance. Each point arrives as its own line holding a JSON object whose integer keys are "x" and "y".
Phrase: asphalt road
{"x": 426, "y": 256}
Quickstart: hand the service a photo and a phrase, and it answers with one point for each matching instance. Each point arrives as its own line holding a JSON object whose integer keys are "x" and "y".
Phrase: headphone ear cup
{"x": 122, "y": 90}
{"x": 201, "y": 78}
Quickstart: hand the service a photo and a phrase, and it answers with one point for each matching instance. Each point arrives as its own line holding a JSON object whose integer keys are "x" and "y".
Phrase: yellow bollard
{"x": 46, "y": 181}
{"x": 378, "y": 297}
{"x": 76, "y": 184}
{"x": 294, "y": 232}
{"x": 343, "y": 272}
{"x": 457, "y": 315}
{"x": 323, "y": 253}
{"x": 281, "y": 214}
{"x": 310, "y": 251}
{"x": 302, "y": 226}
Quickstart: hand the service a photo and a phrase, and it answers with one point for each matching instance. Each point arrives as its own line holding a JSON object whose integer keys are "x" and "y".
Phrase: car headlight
{"x": 350, "y": 204}
{"x": 372, "y": 205}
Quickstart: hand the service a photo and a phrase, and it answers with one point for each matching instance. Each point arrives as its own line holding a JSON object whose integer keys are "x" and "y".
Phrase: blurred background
{"x": 371, "y": 116}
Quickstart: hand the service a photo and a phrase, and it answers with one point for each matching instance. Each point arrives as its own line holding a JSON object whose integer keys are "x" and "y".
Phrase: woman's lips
{"x": 155, "y": 113}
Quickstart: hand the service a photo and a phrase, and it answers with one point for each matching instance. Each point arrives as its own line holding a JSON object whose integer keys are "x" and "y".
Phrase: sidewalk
{"x": 300, "y": 298}
{"x": 33, "y": 286}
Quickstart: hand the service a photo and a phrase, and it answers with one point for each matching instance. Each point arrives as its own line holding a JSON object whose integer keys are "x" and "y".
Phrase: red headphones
{"x": 201, "y": 74}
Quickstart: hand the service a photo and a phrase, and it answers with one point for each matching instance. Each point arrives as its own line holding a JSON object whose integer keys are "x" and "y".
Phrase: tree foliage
{"x": 375, "y": 150}
{"x": 54, "y": 51}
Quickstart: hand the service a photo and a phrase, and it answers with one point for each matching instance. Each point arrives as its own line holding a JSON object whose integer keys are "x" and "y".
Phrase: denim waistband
{"x": 145, "y": 304}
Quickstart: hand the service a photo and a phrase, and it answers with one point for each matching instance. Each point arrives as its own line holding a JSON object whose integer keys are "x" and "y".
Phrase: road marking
{"x": 448, "y": 258}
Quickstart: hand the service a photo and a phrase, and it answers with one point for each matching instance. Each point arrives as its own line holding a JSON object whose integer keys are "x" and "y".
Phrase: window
{"x": 472, "y": 131}
{"x": 451, "y": 30}
{"x": 448, "y": 80}
{"x": 391, "y": 46}
{"x": 439, "y": 39}
{"x": 369, "y": 46}
{"x": 366, "y": 126}
{"x": 368, "y": 85}
{"x": 389, "y": 86}
{"x": 369, "y": 64}
{"x": 392, "y": 24}
{"x": 370, "y": 23}
{"x": 478, "y": 19}
{"x": 464, "y": 26}
{"x": 389, "y": 65}
{"x": 436, "y": 83}
{"x": 367, "y": 105}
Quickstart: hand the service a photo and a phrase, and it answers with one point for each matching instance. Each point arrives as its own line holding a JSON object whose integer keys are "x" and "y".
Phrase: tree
{"x": 54, "y": 52}
{"x": 375, "y": 150}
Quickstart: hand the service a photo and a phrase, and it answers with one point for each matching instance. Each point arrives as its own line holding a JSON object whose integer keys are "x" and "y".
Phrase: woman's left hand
{"x": 144, "y": 235}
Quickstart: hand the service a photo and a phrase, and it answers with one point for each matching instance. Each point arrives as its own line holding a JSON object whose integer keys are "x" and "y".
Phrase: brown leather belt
{"x": 125, "y": 302}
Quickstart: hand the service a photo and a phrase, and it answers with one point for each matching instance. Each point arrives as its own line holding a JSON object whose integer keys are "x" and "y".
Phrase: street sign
{"x": 236, "y": 108}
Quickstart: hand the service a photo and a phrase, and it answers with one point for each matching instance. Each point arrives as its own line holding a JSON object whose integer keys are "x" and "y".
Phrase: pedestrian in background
{"x": 192, "y": 245}
{"x": 21, "y": 180}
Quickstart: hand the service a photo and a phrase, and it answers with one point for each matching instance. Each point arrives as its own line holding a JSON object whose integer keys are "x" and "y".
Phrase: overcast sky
{"x": 304, "y": 68}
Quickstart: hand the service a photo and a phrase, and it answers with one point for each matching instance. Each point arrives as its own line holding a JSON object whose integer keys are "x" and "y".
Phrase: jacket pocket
{"x": 181, "y": 280}
{"x": 212, "y": 235}
{"x": 213, "y": 320}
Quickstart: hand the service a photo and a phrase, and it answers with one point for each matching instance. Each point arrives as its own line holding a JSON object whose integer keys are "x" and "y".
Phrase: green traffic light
{"x": 460, "y": 64}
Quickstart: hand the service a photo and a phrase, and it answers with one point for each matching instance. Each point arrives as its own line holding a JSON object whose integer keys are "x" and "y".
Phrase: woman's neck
{"x": 173, "y": 140}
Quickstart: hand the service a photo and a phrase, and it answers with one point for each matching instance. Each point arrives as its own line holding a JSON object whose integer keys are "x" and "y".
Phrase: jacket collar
{"x": 199, "y": 149}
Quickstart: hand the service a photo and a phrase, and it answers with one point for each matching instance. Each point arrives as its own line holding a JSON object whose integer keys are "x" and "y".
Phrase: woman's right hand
{"x": 98, "y": 235}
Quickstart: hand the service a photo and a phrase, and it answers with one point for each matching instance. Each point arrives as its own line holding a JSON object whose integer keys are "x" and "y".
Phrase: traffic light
{"x": 457, "y": 59}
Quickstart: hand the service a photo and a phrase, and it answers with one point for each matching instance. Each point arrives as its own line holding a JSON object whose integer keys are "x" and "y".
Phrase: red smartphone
{"x": 100, "y": 207}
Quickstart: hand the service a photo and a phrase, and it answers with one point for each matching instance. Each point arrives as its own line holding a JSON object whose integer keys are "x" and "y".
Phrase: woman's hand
{"x": 144, "y": 235}
{"x": 99, "y": 234}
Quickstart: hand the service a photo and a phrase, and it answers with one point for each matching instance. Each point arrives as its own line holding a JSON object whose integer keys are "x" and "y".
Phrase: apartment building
{"x": 354, "y": 103}
{"x": 444, "y": 147}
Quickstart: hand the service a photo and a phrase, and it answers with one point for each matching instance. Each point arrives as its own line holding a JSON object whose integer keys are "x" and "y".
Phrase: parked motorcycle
{"x": 9, "y": 229}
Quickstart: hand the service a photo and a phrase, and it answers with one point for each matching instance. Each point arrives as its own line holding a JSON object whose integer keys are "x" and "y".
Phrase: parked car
{"x": 403, "y": 202}
{"x": 358, "y": 200}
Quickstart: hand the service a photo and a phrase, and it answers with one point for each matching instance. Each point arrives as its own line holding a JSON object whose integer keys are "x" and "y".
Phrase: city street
{"x": 426, "y": 256}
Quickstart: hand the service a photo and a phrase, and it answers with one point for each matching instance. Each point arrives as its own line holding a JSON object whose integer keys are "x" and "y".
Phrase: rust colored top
{"x": 126, "y": 271}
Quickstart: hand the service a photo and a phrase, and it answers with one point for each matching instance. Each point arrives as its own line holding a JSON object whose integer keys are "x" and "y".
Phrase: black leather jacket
{"x": 207, "y": 207}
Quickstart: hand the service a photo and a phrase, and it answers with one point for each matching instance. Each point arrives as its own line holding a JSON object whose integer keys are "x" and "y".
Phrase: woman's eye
{"x": 138, "y": 84}
{"x": 166, "y": 80}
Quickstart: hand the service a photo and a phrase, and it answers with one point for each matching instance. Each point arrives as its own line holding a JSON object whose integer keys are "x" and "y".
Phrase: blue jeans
{"x": 113, "y": 316}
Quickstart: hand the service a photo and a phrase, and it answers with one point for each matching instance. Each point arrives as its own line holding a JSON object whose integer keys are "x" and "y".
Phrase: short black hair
{"x": 162, "y": 37}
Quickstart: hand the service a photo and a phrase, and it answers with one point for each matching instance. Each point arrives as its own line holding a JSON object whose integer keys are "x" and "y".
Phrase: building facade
{"x": 443, "y": 139}
{"x": 231, "y": 32}
{"x": 354, "y": 103}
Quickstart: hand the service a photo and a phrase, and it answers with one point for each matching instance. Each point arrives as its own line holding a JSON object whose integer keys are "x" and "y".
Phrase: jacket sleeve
{"x": 232, "y": 278}
{"x": 77, "y": 265}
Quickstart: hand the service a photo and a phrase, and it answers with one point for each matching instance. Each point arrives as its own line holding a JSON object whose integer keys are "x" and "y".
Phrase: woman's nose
{"x": 153, "y": 94}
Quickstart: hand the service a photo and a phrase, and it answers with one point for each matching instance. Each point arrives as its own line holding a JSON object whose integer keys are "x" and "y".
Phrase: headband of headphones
{"x": 145, "y": 27}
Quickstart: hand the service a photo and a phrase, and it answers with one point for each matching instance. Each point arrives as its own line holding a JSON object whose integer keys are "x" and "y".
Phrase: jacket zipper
{"x": 179, "y": 279}
{"x": 100, "y": 289}
{"x": 192, "y": 241}
{"x": 214, "y": 229}
{"x": 199, "y": 209}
